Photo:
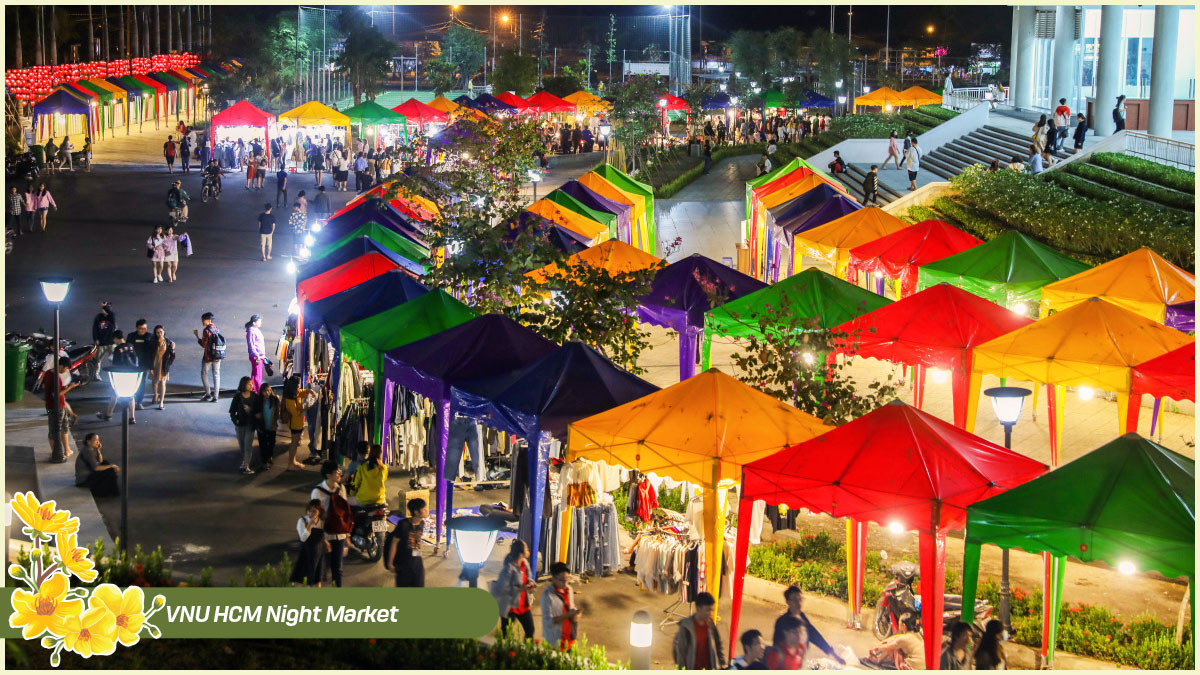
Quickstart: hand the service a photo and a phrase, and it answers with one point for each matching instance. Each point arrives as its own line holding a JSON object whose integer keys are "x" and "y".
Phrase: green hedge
{"x": 920, "y": 119}
{"x": 1070, "y": 181}
{"x": 979, "y": 224}
{"x": 1067, "y": 221}
{"x": 1166, "y": 176}
{"x": 870, "y": 125}
{"x": 938, "y": 111}
{"x": 1133, "y": 186}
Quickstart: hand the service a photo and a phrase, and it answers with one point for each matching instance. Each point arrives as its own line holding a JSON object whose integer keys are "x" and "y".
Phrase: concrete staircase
{"x": 981, "y": 146}
{"x": 853, "y": 180}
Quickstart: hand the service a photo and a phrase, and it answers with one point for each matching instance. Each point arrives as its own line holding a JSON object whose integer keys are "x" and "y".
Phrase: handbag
{"x": 267, "y": 367}
{"x": 149, "y": 252}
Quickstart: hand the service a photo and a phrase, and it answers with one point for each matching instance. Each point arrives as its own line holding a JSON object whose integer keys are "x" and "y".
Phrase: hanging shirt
{"x": 647, "y": 500}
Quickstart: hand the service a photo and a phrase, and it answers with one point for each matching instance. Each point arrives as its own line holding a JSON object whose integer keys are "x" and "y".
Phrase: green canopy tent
{"x": 365, "y": 342}
{"x": 179, "y": 86}
{"x": 1009, "y": 270}
{"x": 386, "y": 237}
{"x": 568, "y": 202}
{"x": 811, "y": 295}
{"x": 371, "y": 114}
{"x": 780, "y": 172}
{"x": 623, "y": 181}
{"x": 105, "y": 104}
{"x": 1128, "y": 501}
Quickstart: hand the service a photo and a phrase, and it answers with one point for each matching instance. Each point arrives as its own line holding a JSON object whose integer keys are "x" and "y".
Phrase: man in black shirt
{"x": 795, "y": 602}
{"x": 871, "y": 186}
{"x": 124, "y": 357}
{"x": 266, "y": 229}
{"x": 103, "y": 327}
{"x": 141, "y": 341}
{"x": 403, "y": 552}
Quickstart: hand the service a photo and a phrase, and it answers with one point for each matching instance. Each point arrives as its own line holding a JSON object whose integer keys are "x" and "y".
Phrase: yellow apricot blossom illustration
{"x": 74, "y": 558}
{"x": 127, "y": 609}
{"x": 44, "y": 611}
{"x": 93, "y": 632}
{"x": 41, "y": 517}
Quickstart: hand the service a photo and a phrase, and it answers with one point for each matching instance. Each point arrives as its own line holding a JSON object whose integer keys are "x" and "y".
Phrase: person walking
{"x": 92, "y": 472}
{"x": 156, "y": 252}
{"x": 957, "y": 654}
{"x": 752, "y": 652}
{"x": 124, "y": 357}
{"x": 266, "y": 230}
{"x": 169, "y": 153}
{"x": 989, "y": 655}
{"x": 241, "y": 413}
{"x": 1081, "y": 129}
{"x": 913, "y": 162}
{"x": 251, "y": 172}
{"x": 789, "y": 645}
{"x": 320, "y": 203}
{"x": 360, "y": 173}
{"x": 1040, "y": 134}
{"x": 560, "y": 616}
{"x": 298, "y": 222}
{"x": 43, "y": 201}
{"x": 266, "y": 415}
{"x": 707, "y": 156}
{"x": 870, "y": 186}
{"x": 29, "y": 201}
{"x": 1118, "y": 113}
{"x": 1062, "y": 122}
{"x": 511, "y": 589}
{"x": 318, "y": 167}
{"x": 295, "y": 400}
{"x": 170, "y": 245}
{"x": 402, "y": 554}
{"x": 309, "y": 566}
{"x": 794, "y": 599}
{"x": 260, "y": 174}
{"x": 185, "y": 153}
{"x": 256, "y": 348}
{"x": 281, "y": 177}
{"x": 141, "y": 341}
{"x": 212, "y": 344}
{"x": 163, "y": 349}
{"x": 15, "y": 210}
{"x": 64, "y": 154}
{"x": 338, "y": 520}
{"x": 698, "y": 644}
{"x": 104, "y": 324}
{"x": 893, "y": 150}
{"x": 55, "y": 386}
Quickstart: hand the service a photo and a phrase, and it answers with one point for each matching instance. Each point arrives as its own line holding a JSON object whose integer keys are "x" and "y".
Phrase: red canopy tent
{"x": 409, "y": 207}
{"x": 523, "y": 107}
{"x": 1171, "y": 375}
{"x": 242, "y": 114}
{"x": 674, "y": 103}
{"x": 936, "y": 328}
{"x": 340, "y": 278}
{"x": 894, "y": 464}
{"x": 544, "y": 102}
{"x": 421, "y": 113}
{"x": 898, "y": 255}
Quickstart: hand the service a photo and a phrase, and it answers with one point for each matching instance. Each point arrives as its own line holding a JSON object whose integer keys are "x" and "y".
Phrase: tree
{"x": 834, "y": 55}
{"x": 695, "y": 95}
{"x": 270, "y": 53}
{"x": 441, "y": 76}
{"x": 751, "y": 56}
{"x": 635, "y": 116}
{"x": 570, "y": 80}
{"x": 515, "y": 73}
{"x": 787, "y": 360}
{"x": 364, "y": 58}
{"x": 610, "y": 54}
{"x": 785, "y": 47}
{"x": 465, "y": 47}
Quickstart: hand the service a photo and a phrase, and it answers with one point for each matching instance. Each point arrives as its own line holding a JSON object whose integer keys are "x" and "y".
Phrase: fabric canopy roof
{"x": 572, "y": 203}
{"x": 775, "y": 99}
{"x": 825, "y": 212}
{"x": 899, "y": 255}
{"x": 563, "y": 239}
{"x": 592, "y": 232}
{"x": 380, "y": 234}
{"x": 168, "y": 80}
{"x": 419, "y": 113}
{"x": 1142, "y": 282}
{"x": 314, "y": 114}
{"x": 242, "y": 113}
{"x": 625, "y": 182}
{"x": 1172, "y": 375}
{"x": 717, "y": 101}
{"x": 370, "y": 210}
{"x": 831, "y": 243}
{"x": 151, "y": 82}
{"x": 406, "y": 204}
{"x": 586, "y": 103}
{"x": 673, "y": 102}
{"x": 349, "y": 251}
{"x": 118, "y": 93}
{"x": 517, "y": 102}
{"x": 366, "y": 299}
{"x": 90, "y": 91}
{"x": 616, "y": 257}
{"x": 444, "y": 105}
{"x": 370, "y": 113}
{"x": 783, "y": 181}
{"x": 569, "y": 384}
{"x": 918, "y": 95}
{"x": 678, "y": 298}
{"x": 347, "y": 275}
{"x": 62, "y": 103}
{"x": 1182, "y": 316}
{"x": 814, "y": 100}
{"x": 131, "y": 91}
{"x": 1009, "y": 270}
{"x": 596, "y": 202}
{"x": 491, "y": 105}
{"x": 608, "y": 190}
{"x": 883, "y": 96}
{"x": 365, "y": 341}
{"x": 545, "y": 102}
{"x": 804, "y": 201}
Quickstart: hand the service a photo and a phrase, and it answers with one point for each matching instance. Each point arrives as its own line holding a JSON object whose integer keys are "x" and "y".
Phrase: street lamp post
{"x": 534, "y": 177}
{"x": 125, "y": 384}
{"x": 55, "y": 289}
{"x": 474, "y": 538}
{"x": 641, "y": 634}
{"x": 662, "y": 110}
{"x": 1007, "y": 403}
{"x": 838, "y": 86}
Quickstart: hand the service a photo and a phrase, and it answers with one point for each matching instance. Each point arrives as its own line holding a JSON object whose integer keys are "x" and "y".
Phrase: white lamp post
{"x": 474, "y": 537}
{"x": 535, "y": 177}
{"x": 55, "y": 289}
{"x": 641, "y": 634}
{"x": 838, "y": 85}
{"x": 1007, "y": 403}
{"x": 125, "y": 384}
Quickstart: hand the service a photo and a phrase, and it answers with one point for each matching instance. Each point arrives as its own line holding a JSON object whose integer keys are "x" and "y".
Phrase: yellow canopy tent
{"x": 917, "y": 95}
{"x": 1092, "y": 344}
{"x": 613, "y": 255}
{"x": 606, "y": 189}
{"x": 316, "y": 114}
{"x": 119, "y": 104}
{"x": 831, "y": 243}
{"x": 1142, "y": 282}
{"x": 702, "y": 431}
{"x": 587, "y": 104}
{"x": 594, "y": 231}
{"x": 881, "y": 97}
{"x": 444, "y": 104}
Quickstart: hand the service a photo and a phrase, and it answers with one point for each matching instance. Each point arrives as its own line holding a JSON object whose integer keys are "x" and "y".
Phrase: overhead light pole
{"x": 125, "y": 384}
{"x": 1007, "y": 403}
{"x": 55, "y": 290}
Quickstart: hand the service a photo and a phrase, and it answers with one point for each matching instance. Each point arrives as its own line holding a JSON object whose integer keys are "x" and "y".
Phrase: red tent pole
{"x": 960, "y": 385}
{"x": 1048, "y": 604}
{"x": 1134, "y": 409}
{"x": 1052, "y": 419}
{"x": 920, "y": 375}
{"x": 740, "y": 553}
{"x": 933, "y": 578}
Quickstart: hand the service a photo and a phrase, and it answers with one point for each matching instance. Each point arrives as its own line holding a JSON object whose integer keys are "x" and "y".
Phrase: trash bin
{"x": 15, "y": 356}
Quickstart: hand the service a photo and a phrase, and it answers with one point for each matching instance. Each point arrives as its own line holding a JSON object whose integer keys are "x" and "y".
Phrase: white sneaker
{"x": 156, "y": 280}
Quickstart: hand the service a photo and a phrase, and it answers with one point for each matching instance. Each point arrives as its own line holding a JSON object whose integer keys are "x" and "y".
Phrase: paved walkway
{"x": 725, "y": 180}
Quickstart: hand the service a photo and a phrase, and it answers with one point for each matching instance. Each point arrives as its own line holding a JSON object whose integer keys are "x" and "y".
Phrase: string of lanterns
{"x": 36, "y": 82}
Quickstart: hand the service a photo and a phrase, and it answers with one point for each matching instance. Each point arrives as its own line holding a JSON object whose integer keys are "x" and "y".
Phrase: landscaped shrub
{"x": 920, "y": 120}
{"x": 1070, "y": 222}
{"x": 870, "y": 125}
{"x": 1167, "y": 176}
{"x": 1133, "y": 186}
{"x": 1081, "y": 187}
{"x": 938, "y": 112}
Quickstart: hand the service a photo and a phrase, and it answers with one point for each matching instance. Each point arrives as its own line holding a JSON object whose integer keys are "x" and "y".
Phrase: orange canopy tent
{"x": 444, "y": 105}
{"x": 831, "y": 243}
{"x": 702, "y": 431}
{"x": 918, "y": 95}
{"x": 881, "y": 97}
{"x": 588, "y": 104}
{"x": 1142, "y": 282}
{"x": 616, "y": 257}
{"x": 609, "y": 190}
{"x": 591, "y": 230}
{"x": 1093, "y": 344}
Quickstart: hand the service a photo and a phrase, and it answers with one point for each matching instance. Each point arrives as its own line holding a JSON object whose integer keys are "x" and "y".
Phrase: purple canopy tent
{"x": 594, "y": 200}
{"x": 561, "y": 238}
{"x": 538, "y": 402}
{"x": 485, "y": 346}
{"x": 1182, "y": 316}
{"x": 827, "y": 211}
{"x": 796, "y": 205}
{"x": 679, "y": 297}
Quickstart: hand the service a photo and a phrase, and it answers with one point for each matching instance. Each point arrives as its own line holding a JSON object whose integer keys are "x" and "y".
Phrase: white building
{"x": 1091, "y": 54}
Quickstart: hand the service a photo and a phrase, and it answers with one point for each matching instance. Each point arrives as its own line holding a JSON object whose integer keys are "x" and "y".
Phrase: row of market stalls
{"x": 603, "y": 204}
{"x": 888, "y": 98}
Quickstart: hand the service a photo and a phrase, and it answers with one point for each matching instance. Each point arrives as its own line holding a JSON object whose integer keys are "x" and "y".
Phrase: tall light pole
{"x": 55, "y": 289}
{"x": 1007, "y": 403}
{"x": 125, "y": 384}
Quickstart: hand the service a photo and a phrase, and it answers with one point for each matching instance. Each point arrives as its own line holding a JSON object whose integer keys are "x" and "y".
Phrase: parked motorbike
{"x": 370, "y": 527}
{"x": 21, "y": 168}
{"x": 82, "y": 359}
{"x": 898, "y": 599}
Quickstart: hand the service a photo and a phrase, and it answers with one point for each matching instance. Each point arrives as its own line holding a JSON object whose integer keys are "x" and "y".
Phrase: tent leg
{"x": 933, "y": 578}
{"x": 970, "y": 579}
{"x": 442, "y": 484}
{"x": 687, "y": 352}
{"x": 1129, "y": 408}
{"x": 1154, "y": 416}
{"x": 539, "y": 464}
{"x": 706, "y": 353}
{"x": 1048, "y": 606}
{"x": 741, "y": 552}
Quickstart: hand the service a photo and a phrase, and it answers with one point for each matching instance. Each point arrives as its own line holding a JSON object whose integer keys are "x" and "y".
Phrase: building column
{"x": 1162, "y": 70}
{"x": 1014, "y": 54}
{"x": 1065, "y": 76}
{"x": 1026, "y": 26}
{"x": 1108, "y": 69}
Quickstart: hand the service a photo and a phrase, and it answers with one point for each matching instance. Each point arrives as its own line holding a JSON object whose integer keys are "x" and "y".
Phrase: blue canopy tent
{"x": 814, "y": 100}
{"x": 490, "y": 105}
{"x": 351, "y": 250}
{"x": 538, "y": 402}
{"x": 47, "y": 112}
{"x": 371, "y": 210}
{"x": 485, "y": 346}
{"x": 718, "y": 101}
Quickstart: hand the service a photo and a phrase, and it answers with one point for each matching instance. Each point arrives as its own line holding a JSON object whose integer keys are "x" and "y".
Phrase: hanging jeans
{"x": 463, "y": 430}
{"x": 245, "y": 436}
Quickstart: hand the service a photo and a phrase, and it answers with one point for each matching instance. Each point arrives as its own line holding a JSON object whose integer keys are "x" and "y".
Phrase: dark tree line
{"x": 47, "y": 35}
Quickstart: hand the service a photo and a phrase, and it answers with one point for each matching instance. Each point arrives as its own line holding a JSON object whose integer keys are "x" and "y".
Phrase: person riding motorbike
{"x": 212, "y": 172}
{"x": 177, "y": 198}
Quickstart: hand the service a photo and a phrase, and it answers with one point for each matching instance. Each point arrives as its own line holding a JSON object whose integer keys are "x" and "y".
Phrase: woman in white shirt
{"x": 156, "y": 252}
{"x": 310, "y": 563}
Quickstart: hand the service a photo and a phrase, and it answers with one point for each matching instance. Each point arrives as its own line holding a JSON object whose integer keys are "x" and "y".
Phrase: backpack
{"x": 1117, "y": 115}
{"x": 216, "y": 345}
{"x": 338, "y": 519}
